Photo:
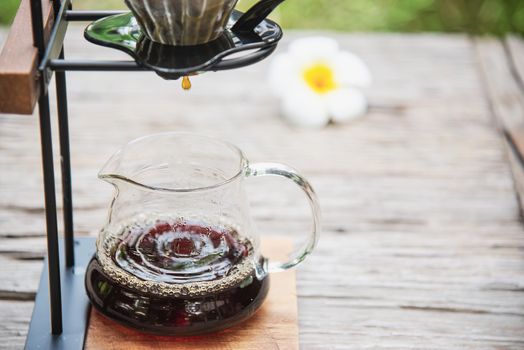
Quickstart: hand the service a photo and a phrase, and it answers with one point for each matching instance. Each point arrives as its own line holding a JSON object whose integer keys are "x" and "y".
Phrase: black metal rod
{"x": 65, "y": 158}
{"x": 53, "y": 258}
{"x": 56, "y": 38}
{"x": 56, "y": 6}
{"x": 65, "y": 164}
{"x": 94, "y": 65}
{"x": 55, "y": 295}
{"x": 38, "y": 27}
{"x": 61, "y": 65}
{"x": 244, "y": 60}
{"x": 75, "y": 15}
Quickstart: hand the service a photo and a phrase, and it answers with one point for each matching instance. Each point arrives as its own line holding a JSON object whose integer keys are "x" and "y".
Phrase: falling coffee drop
{"x": 186, "y": 84}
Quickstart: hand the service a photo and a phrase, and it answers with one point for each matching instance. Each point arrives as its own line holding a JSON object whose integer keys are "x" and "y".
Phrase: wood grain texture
{"x": 501, "y": 69}
{"x": 19, "y": 89}
{"x": 515, "y": 50}
{"x": 18, "y": 313}
{"x": 422, "y": 242}
{"x": 274, "y": 326}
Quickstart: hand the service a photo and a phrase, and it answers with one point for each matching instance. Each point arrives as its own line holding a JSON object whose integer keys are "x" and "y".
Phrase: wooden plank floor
{"x": 422, "y": 243}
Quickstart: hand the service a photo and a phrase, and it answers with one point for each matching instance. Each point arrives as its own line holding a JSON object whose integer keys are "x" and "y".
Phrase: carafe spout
{"x": 111, "y": 171}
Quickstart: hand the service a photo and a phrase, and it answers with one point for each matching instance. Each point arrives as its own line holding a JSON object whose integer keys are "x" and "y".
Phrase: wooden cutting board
{"x": 274, "y": 326}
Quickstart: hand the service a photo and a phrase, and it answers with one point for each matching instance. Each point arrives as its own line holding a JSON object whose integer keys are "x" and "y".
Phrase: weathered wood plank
{"x": 422, "y": 244}
{"x": 502, "y": 87}
{"x": 23, "y": 248}
{"x": 18, "y": 61}
{"x": 20, "y": 277}
{"x": 13, "y": 333}
{"x": 506, "y": 98}
{"x": 403, "y": 328}
{"x": 515, "y": 49}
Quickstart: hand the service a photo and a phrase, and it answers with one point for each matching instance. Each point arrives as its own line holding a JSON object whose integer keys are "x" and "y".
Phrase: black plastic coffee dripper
{"x": 249, "y": 33}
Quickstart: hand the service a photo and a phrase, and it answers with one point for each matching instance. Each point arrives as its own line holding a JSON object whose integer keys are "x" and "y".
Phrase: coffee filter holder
{"x": 249, "y": 37}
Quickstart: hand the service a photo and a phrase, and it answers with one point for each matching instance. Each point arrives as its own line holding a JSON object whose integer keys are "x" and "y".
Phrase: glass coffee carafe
{"x": 178, "y": 255}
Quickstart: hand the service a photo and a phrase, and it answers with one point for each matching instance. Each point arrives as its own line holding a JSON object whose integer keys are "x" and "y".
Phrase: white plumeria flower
{"x": 317, "y": 82}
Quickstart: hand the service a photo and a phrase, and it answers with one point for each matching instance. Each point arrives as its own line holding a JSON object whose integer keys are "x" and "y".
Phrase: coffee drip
{"x": 186, "y": 83}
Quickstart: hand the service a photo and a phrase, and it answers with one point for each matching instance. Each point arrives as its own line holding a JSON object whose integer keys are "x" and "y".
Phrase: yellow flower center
{"x": 320, "y": 78}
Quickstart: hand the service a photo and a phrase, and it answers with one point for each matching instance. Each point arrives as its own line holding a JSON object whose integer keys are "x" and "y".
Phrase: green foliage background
{"x": 471, "y": 16}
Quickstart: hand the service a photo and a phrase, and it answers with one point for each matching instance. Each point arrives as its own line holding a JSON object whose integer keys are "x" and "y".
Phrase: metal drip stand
{"x": 61, "y": 296}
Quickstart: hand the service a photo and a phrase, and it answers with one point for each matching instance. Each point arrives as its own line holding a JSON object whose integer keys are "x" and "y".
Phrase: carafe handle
{"x": 275, "y": 169}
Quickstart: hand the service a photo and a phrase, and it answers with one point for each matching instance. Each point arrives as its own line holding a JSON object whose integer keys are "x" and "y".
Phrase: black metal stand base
{"x": 75, "y": 304}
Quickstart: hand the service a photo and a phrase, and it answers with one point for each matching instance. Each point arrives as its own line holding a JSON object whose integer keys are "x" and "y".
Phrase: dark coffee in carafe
{"x": 203, "y": 277}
